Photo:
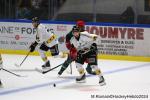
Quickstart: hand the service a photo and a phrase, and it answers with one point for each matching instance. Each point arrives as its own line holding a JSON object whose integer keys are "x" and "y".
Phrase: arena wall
{"x": 115, "y": 41}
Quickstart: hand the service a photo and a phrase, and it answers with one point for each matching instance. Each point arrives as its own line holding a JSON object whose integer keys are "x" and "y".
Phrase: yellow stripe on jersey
{"x": 51, "y": 39}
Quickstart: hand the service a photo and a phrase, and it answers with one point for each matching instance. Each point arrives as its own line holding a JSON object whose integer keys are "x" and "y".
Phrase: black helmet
{"x": 35, "y": 19}
{"x": 75, "y": 29}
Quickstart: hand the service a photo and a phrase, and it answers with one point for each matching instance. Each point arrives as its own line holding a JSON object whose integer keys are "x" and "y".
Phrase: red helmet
{"x": 80, "y": 23}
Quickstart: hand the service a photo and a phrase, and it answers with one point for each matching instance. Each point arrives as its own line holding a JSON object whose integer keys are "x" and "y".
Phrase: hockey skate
{"x": 46, "y": 66}
{"x": 63, "y": 68}
{"x": 81, "y": 79}
{"x": 61, "y": 71}
{"x": 102, "y": 81}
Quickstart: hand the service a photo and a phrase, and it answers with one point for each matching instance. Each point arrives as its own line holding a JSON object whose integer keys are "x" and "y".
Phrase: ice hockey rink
{"x": 125, "y": 80}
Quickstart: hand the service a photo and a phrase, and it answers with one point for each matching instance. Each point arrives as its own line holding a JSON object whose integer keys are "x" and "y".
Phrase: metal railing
{"x": 113, "y": 11}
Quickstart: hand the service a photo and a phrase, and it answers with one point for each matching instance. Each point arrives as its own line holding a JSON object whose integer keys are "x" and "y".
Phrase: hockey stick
{"x": 13, "y": 73}
{"x": 23, "y": 60}
{"x": 70, "y": 68}
{"x": 44, "y": 72}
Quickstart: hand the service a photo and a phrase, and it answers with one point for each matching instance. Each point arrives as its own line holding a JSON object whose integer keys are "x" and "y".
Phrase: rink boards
{"x": 116, "y": 41}
{"x": 100, "y": 56}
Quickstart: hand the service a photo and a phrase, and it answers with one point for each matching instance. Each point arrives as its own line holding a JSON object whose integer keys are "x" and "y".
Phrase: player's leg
{"x": 100, "y": 75}
{"x": 82, "y": 77}
{"x": 46, "y": 64}
{"x": 93, "y": 62}
{"x": 91, "y": 56}
{"x": 42, "y": 51}
{"x": 54, "y": 50}
{"x": 94, "y": 65}
{"x": 89, "y": 70}
{"x": 65, "y": 65}
{"x": 1, "y": 61}
{"x": 79, "y": 62}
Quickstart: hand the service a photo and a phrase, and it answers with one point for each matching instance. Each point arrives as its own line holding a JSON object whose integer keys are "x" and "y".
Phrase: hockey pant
{"x": 43, "y": 49}
{"x": 65, "y": 64}
{"x": 92, "y": 61}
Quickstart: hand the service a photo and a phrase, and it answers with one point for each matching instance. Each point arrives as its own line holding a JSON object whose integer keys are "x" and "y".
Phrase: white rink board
{"x": 18, "y": 36}
{"x": 113, "y": 39}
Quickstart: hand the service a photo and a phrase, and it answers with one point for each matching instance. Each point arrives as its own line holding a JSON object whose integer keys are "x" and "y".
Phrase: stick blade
{"x": 39, "y": 70}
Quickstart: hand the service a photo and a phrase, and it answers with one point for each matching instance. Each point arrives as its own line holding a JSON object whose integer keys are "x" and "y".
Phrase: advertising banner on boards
{"x": 112, "y": 40}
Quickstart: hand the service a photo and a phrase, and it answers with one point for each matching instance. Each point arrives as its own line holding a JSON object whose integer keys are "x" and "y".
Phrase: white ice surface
{"x": 122, "y": 78}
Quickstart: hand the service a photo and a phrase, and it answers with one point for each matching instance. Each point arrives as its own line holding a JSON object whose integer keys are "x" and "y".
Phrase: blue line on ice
{"x": 68, "y": 80}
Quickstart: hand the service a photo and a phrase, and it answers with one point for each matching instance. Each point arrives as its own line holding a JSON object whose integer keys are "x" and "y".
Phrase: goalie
{"x": 86, "y": 46}
{"x": 45, "y": 41}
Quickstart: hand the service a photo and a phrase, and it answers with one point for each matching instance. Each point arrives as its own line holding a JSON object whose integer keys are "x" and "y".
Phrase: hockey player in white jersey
{"x": 1, "y": 66}
{"x": 72, "y": 51}
{"x": 86, "y": 46}
{"x": 45, "y": 41}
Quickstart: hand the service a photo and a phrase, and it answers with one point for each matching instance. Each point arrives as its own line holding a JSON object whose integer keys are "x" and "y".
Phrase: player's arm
{"x": 48, "y": 41}
{"x": 68, "y": 38}
{"x": 70, "y": 47}
{"x": 92, "y": 36}
{"x": 52, "y": 37}
{"x": 38, "y": 39}
{"x": 33, "y": 46}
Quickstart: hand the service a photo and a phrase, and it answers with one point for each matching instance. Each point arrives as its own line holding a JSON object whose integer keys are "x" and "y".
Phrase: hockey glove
{"x": 94, "y": 36}
{"x": 32, "y": 46}
{"x": 44, "y": 47}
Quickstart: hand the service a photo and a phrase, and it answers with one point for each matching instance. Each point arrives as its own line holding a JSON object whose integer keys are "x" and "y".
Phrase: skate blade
{"x": 102, "y": 83}
{"x": 46, "y": 69}
{"x": 83, "y": 81}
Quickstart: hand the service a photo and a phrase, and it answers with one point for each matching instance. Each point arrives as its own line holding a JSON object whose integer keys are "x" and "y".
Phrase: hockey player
{"x": 45, "y": 41}
{"x": 86, "y": 46}
{"x": 1, "y": 66}
{"x": 72, "y": 51}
